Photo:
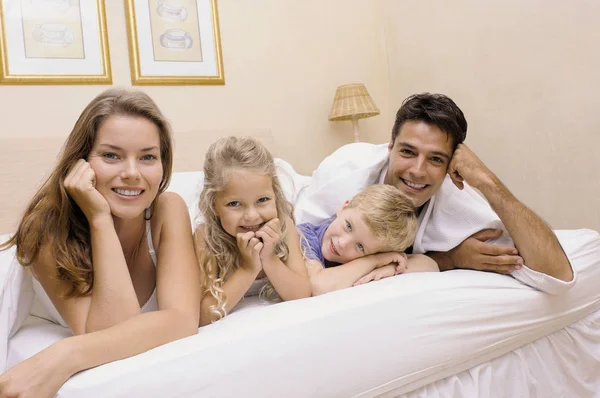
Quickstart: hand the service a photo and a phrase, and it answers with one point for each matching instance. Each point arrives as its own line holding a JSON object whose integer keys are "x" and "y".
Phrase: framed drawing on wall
{"x": 174, "y": 42}
{"x": 54, "y": 42}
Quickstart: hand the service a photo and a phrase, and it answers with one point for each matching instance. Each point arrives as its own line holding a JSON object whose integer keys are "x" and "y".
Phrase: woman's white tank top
{"x": 42, "y": 306}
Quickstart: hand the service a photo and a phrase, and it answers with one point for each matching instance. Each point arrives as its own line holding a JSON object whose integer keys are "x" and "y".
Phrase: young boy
{"x": 364, "y": 242}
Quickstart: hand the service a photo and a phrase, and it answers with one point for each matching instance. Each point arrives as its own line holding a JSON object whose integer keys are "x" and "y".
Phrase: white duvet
{"x": 394, "y": 335}
{"x": 389, "y": 337}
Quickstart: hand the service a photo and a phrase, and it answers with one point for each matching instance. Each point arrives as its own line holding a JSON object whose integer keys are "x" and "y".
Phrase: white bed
{"x": 565, "y": 363}
{"x": 458, "y": 333}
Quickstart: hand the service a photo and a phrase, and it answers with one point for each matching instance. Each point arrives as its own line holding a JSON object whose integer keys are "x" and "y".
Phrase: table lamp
{"x": 352, "y": 102}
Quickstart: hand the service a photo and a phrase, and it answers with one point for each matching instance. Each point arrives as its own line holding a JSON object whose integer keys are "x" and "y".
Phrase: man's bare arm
{"x": 533, "y": 238}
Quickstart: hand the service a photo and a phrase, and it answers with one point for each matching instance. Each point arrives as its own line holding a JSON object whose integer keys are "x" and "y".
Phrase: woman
{"x": 110, "y": 251}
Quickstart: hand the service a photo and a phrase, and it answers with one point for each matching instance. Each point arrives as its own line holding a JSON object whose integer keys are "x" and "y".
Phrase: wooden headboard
{"x": 26, "y": 162}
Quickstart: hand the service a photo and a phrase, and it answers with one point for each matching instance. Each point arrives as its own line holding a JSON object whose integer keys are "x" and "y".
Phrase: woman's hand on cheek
{"x": 249, "y": 246}
{"x": 270, "y": 234}
{"x": 40, "y": 376}
{"x": 80, "y": 184}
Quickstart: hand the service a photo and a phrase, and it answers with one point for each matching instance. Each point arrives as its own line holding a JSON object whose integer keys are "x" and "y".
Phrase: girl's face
{"x": 127, "y": 163}
{"x": 246, "y": 203}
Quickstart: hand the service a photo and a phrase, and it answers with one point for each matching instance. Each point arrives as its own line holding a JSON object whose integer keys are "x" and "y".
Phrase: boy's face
{"x": 348, "y": 237}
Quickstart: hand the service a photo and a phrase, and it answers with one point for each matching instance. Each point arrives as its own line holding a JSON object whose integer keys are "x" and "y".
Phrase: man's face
{"x": 419, "y": 159}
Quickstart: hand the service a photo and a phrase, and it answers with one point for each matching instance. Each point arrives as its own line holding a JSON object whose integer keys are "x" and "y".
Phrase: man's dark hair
{"x": 436, "y": 109}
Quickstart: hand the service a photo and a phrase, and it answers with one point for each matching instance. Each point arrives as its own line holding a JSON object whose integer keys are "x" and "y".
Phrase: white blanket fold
{"x": 16, "y": 298}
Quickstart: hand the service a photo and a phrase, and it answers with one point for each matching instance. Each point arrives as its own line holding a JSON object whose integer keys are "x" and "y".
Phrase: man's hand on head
{"x": 475, "y": 253}
{"x": 466, "y": 166}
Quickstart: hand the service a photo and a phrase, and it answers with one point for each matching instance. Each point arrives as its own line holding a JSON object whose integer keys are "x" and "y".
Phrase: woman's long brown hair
{"x": 53, "y": 223}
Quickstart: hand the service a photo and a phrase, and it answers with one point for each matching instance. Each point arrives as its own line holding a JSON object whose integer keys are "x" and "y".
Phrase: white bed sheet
{"x": 387, "y": 338}
{"x": 565, "y": 363}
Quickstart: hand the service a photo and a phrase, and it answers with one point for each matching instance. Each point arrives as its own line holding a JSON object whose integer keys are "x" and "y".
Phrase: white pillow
{"x": 187, "y": 184}
{"x": 291, "y": 182}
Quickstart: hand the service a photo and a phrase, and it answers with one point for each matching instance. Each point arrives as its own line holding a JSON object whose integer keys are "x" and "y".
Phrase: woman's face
{"x": 126, "y": 160}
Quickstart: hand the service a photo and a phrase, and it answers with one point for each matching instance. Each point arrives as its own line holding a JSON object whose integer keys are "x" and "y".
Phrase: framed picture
{"x": 174, "y": 42}
{"x": 54, "y": 42}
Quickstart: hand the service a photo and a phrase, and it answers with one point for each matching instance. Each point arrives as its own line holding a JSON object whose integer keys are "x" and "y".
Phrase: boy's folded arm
{"x": 325, "y": 280}
{"x": 377, "y": 274}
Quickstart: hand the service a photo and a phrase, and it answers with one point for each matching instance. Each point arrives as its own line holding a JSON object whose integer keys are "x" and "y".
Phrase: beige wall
{"x": 282, "y": 59}
{"x": 526, "y": 74}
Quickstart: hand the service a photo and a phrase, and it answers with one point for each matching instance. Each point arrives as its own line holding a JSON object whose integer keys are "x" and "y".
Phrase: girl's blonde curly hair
{"x": 220, "y": 257}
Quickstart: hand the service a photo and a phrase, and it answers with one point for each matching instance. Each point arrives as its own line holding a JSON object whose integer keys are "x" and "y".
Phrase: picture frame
{"x": 54, "y": 42}
{"x": 174, "y": 42}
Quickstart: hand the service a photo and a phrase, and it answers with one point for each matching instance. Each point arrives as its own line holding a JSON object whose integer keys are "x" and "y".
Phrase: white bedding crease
{"x": 565, "y": 363}
{"x": 416, "y": 335}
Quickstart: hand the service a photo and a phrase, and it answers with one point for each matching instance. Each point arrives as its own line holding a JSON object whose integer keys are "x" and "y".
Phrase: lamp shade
{"x": 352, "y": 101}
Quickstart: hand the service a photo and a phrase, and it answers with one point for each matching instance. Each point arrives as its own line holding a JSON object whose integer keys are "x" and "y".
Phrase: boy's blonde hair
{"x": 220, "y": 257}
{"x": 391, "y": 216}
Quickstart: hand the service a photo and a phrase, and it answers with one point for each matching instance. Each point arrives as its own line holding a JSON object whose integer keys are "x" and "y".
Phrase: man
{"x": 427, "y": 160}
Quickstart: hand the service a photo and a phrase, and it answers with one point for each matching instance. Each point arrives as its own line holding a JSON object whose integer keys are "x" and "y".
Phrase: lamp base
{"x": 355, "y": 129}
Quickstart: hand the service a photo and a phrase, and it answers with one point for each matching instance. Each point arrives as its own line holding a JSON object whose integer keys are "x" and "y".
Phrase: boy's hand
{"x": 270, "y": 234}
{"x": 377, "y": 274}
{"x": 396, "y": 258}
{"x": 250, "y": 246}
{"x": 402, "y": 264}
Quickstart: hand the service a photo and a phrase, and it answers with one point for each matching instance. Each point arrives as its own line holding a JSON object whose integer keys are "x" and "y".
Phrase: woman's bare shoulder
{"x": 170, "y": 207}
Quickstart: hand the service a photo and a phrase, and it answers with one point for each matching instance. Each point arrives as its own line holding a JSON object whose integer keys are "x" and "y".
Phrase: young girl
{"x": 248, "y": 241}
{"x": 111, "y": 253}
